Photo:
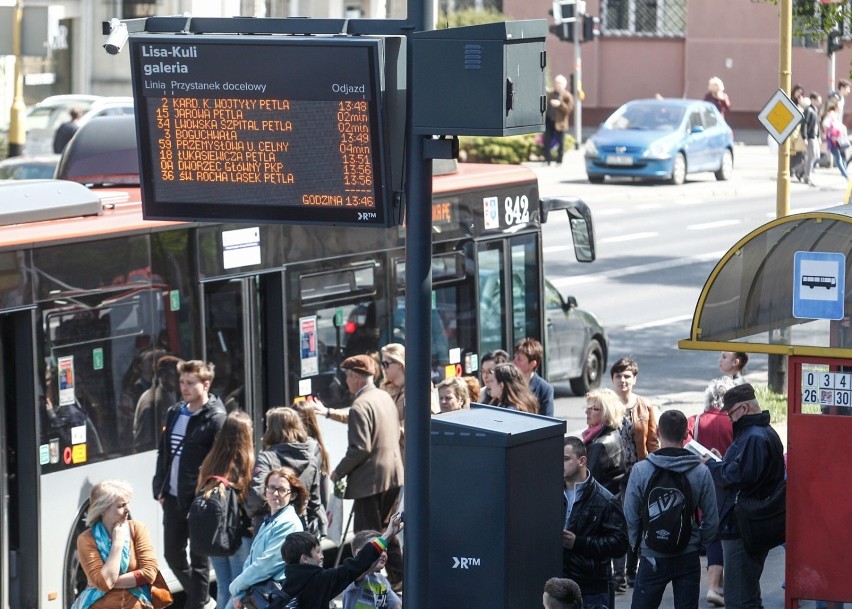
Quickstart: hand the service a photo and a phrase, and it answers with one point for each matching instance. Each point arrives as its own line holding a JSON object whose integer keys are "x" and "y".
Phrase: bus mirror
{"x": 580, "y": 217}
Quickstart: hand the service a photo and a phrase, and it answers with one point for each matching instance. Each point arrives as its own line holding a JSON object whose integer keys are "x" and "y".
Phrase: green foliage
{"x": 775, "y": 403}
{"x": 469, "y": 16}
{"x": 812, "y": 19}
{"x": 509, "y": 150}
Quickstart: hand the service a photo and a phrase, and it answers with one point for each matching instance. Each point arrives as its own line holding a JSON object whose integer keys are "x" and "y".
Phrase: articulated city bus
{"x": 93, "y": 297}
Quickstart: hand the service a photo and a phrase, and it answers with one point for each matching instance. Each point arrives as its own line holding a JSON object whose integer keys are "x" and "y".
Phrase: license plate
{"x": 619, "y": 160}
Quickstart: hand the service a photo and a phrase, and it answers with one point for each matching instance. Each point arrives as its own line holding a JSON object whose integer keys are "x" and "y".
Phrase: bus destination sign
{"x": 270, "y": 130}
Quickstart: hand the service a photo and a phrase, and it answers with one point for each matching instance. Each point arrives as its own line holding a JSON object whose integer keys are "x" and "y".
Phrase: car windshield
{"x": 646, "y": 117}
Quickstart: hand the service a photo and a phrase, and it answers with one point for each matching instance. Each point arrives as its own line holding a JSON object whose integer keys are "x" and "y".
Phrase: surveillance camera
{"x": 117, "y": 37}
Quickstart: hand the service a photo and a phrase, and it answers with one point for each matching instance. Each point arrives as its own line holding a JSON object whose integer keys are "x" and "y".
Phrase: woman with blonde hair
{"x": 115, "y": 552}
{"x": 286, "y": 443}
{"x": 286, "y": 497}
{"x": 604, "y": 450}
{"x": 393, "y": 373}
{"x": 231, "y": 458}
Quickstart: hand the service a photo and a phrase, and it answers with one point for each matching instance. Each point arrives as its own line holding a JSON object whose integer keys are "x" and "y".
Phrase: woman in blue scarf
{"x": 115, "y": 552}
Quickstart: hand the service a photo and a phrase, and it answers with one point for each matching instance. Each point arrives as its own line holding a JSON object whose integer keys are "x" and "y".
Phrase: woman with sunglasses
{"x": 286, "y": 497}
{"x": 393, "y": 373}
{"x": 604, "y": 450}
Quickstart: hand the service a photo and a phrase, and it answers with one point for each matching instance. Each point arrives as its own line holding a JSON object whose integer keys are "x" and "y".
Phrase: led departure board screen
{"x": 268, "y": 129}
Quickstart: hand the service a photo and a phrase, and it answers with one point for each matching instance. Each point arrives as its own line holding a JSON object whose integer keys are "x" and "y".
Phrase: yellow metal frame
{"x": 694, "y": 341}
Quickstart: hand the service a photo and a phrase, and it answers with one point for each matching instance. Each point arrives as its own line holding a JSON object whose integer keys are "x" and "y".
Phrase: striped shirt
{"x": 176, "y": 447}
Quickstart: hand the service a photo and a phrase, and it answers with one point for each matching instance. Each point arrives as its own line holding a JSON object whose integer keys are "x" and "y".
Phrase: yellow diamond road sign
{"x": 780, "y": 116}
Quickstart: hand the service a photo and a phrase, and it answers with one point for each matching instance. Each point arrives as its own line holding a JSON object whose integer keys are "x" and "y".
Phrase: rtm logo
{"x": 465, "y": 563}
{"x": 366, "y": 215}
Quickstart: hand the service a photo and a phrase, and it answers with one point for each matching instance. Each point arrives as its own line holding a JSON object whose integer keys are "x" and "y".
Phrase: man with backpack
{"x": 670, "y": 507}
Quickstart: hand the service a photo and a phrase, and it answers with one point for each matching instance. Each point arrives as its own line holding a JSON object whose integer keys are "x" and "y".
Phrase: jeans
{"x": 742, "y": 576}
{"x": 551, "y": 134}
{"x": 714, "y": 554}
{"x": 594, "y": 601}
{"x": 839, "y": 160}
{"x": 194, "y": 576}
{"x": 655, "y": 573}
{"x": 227, "y": 568}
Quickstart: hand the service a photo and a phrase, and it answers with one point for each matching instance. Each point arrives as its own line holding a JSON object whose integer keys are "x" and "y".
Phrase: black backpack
{"x": 214, "y": 520}
{"x": 667, "y": 511}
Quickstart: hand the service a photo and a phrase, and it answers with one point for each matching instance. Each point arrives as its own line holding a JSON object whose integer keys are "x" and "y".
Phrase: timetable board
{"x": 826, "y": 389}
{"x": 262, "y": 129}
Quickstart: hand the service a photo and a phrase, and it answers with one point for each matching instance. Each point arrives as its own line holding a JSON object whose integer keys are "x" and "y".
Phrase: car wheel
{"x": 727, "y": 166}
{"x": 592, "y": 370}
{"x": 678, "y": 170}
{"x": 596, "y": 179}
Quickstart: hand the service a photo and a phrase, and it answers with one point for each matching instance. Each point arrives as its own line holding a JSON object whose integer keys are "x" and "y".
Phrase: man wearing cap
{"x": 372, "y": 465}
{"x": 753, "y": 465}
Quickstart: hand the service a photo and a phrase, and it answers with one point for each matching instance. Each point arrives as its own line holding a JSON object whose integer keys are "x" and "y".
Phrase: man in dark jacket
{"x": 753, "y": 465}
{"x": 191, "y": 428}
{"x": 594, "y": 529}
{"x": 315, "y": 587}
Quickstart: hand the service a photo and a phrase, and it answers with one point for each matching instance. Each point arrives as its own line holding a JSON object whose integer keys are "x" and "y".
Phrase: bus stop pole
{"x": 418, "y": 338}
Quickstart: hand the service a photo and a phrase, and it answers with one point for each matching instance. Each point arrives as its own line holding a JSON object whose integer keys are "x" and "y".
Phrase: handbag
{"x": 161, "y": 596}
{"x": 762, "y": 522}
{"x": 268, "y": 594}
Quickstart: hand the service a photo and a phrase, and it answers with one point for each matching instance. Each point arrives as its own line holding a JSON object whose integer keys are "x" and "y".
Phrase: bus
{"x": 96, "y": 302}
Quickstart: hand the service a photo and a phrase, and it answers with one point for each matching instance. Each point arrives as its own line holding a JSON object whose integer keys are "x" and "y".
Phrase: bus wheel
{"x": 592, "y": 369}
{"x": 75, "y": 577}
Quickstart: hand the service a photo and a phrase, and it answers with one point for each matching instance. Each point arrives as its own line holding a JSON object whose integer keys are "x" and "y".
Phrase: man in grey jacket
{"x": 683, "y": 568}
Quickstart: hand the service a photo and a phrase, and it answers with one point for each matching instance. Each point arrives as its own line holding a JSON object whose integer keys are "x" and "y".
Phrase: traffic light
{"x": 834, "y": 42}
{"x": 564, "y": 31}
{"x": 564, "y": 11}
{"x": 590, "y": 29}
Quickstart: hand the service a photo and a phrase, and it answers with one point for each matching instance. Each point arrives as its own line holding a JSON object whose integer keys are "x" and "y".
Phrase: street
{"x": 656, "y": 246}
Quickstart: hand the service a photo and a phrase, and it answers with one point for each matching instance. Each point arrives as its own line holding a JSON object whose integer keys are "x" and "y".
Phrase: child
{"x": 372, "y": 590}
{"x": 314, "y": 587}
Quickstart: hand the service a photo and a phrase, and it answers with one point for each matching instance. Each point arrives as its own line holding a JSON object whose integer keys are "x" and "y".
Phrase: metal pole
{"x": 832, "y": 85}
{"x": 578, "y": 82}
{"x": 418, "y": 363}
{"x": 782, "y": 207}
{"x": 778, "y": 363}
{"x": 17, "y": 117}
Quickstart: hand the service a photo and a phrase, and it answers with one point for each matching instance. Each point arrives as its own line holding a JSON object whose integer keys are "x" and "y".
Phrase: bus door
{"x": 19, "y": 547}
{"x": 509, "y": 291}
{"x": 335, "y": 309}
{"x": 234, "y": 342}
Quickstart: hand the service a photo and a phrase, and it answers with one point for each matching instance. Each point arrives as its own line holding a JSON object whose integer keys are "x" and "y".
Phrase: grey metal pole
{"x": 418, "y": 335}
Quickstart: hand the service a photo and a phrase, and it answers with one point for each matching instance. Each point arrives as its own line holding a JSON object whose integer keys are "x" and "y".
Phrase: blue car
{"x": 663, "y": 139}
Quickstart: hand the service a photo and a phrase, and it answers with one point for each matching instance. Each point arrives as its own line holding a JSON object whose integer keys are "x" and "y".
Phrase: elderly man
{"x": 753, "y": 465}
{"x": 373, "y": 461}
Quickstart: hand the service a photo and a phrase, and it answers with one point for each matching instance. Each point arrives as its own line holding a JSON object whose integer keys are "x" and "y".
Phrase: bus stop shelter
{"x": 782, "y": 290}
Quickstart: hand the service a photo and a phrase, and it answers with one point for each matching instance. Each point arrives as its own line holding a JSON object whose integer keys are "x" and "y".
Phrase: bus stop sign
{"x": 819, "y": 285}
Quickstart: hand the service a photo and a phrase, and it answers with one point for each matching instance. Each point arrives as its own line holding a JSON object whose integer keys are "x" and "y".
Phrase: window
{"x": 653, "y": 18}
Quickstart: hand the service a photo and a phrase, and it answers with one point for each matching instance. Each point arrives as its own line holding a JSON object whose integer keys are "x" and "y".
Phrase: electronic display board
{"x": 263, "y": 129}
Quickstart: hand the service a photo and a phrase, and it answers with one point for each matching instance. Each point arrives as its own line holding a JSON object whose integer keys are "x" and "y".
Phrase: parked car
{"x": 45, "y": 117}
{"x": 661, "y": 139}
{"x": 29, "y": 167}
